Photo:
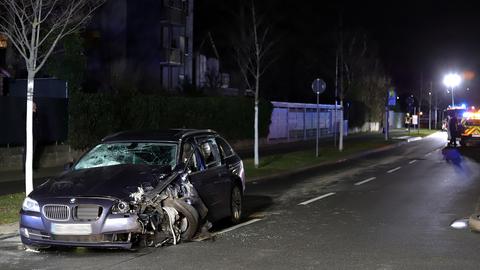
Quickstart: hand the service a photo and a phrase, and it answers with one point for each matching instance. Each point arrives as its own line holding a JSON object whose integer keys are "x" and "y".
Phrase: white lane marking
{"x": 317, "y": 198}
{"x": 237, "y": 226}
{"x": 413, "y": 161}
{"x": 428, "y": 154}
{"x": 365, "y": 181}
{"x": 414, "y": 139}
{"x": 394, "y": 170}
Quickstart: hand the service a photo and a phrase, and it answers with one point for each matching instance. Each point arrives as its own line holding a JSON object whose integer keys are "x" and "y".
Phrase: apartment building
{"x": 144, "y": 44}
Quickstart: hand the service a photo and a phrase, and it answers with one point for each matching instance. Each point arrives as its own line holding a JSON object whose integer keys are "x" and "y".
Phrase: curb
{"x": 8, "y": 230}
{"x": 330, "y": 163}
{"x": 10, "y": 235}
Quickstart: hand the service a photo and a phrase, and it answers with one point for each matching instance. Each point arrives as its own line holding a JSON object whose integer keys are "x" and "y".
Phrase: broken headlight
{"x": 30, "y": 205}
{"x": 120, "y": 207}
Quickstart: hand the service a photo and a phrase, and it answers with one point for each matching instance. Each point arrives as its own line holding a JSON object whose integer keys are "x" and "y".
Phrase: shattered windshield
{"x": 129, "y": 153}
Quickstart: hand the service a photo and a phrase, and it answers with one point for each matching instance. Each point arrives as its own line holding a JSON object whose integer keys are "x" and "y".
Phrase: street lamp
{"x": 430, "y": 110}
{"x": 451, "y": 81}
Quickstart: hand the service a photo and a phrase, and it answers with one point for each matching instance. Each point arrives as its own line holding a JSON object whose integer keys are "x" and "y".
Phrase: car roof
{"x": 157, "y": 135}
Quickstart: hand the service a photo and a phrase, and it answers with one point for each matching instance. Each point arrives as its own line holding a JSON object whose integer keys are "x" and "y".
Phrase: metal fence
{"x": 298, "y": 121}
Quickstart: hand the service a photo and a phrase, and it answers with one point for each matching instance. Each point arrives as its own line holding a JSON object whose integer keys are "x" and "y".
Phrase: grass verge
{"x": 421, "y": 133}
{"x": 10, "y": 206}
{"x": 295, "y": 160}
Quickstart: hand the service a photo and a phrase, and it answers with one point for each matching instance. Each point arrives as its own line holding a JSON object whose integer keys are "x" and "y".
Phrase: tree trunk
{"x": 256, "y": 136}
{"x": 29, "y": 135}
{"x": 257, "y": 89}
{"x": 340, "y": 140}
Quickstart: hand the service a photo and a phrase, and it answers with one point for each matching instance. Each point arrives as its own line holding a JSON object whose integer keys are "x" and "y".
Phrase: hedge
{"x": 93, "y": 116}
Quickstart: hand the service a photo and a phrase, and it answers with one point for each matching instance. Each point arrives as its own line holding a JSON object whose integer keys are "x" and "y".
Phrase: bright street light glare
{"x": 452, "y": 80}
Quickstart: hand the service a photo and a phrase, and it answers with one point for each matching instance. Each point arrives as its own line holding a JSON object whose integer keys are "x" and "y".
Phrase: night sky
{"x": 418, "y": 41}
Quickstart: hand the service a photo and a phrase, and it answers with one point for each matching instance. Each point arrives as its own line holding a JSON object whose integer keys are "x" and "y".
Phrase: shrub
{"x": 93, "y": 116}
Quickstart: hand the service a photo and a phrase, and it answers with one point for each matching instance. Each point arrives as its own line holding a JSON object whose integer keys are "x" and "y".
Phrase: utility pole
{"x": 420, "y": 103}
{"x": 340, "y": 140}
{"x": 436, "y": 108}
{"x": 430, "y": 107}
{"x": 336, "y": 95}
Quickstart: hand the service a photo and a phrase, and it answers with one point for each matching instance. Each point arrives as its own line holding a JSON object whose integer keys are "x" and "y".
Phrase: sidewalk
{"x": 285, "y": 147}
{"x": 400, "y": 136}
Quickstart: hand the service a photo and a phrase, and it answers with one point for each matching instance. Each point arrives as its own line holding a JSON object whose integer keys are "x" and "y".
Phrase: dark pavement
{"x": 390, "y": 210}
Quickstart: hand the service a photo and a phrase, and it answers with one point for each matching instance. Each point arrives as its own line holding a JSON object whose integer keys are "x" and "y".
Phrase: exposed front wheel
{"x": 236, "y": 204}
{"x": 188, "y": 220}
{"x": 474, "y": 222}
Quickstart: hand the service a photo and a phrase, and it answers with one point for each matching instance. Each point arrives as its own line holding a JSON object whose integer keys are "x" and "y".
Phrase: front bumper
{"x": 470, "y": 140}
{"x": 108, "y": 231}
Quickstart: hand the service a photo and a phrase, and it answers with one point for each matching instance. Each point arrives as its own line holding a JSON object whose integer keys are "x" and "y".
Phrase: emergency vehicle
{"x": 470, "y": 127}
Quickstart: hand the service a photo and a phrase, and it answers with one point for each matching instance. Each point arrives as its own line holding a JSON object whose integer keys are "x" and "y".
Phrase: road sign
{"x": 319, "y": 86}
{"x": 415, "y": 120}
{"x": 392, "y": 97}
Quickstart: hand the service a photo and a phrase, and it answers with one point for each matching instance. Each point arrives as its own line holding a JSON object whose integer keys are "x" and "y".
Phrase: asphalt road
{"x": 386, "y": 211}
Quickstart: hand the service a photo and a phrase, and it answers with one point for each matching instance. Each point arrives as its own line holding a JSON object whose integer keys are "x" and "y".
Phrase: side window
{"x": 210, "y": 153}
{"x": 225, "y": 149}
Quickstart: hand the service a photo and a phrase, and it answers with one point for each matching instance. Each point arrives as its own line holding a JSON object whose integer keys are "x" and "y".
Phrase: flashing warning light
{"x": 471, "y": 115}
{"x": 469, "y": 75}
{"x": 461, "y": 107}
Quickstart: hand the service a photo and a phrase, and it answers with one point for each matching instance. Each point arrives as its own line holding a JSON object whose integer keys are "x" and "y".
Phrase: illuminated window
{"x": 3, "y": 42}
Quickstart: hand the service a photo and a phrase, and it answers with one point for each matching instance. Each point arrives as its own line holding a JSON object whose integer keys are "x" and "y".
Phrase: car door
{"x": 212, "y": 180}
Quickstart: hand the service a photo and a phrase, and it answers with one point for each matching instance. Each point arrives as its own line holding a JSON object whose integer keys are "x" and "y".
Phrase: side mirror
{"x": 68, "y": 166}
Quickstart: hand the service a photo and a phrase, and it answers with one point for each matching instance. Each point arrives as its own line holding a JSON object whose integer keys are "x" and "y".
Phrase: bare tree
{"x": 34, "y": 27}
{"x": 252, "y": 54}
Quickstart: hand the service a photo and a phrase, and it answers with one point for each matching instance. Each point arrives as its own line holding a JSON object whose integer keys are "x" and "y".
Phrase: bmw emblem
{"x": 73, "y": 200}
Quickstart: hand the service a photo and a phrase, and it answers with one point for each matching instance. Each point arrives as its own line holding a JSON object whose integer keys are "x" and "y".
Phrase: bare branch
{"x": 35, "y": 27}
{"x": 253, "y": 46}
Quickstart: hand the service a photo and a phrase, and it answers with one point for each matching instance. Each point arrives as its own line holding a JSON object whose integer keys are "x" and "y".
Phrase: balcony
{"x": 172, "y": 15}
{"x": 171, "y": 57}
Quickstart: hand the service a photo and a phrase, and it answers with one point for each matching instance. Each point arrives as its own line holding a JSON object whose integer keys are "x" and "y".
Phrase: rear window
{"x": 225, "y": 149}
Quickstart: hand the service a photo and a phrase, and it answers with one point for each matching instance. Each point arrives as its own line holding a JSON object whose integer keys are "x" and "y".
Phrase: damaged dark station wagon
{"x": 152, "y": 188}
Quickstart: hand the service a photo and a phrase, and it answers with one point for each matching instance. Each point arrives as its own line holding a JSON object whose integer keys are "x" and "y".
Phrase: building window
{"x": 186, "y": 45}
{"x": 177, "y": 4}
{"x": 185, "y": 5}
{"x": 165, "y": 37}
{"x": 3, "y": 42}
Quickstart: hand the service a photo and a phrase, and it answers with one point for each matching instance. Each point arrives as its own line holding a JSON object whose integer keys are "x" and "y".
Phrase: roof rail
{"x": 198, "y": 131}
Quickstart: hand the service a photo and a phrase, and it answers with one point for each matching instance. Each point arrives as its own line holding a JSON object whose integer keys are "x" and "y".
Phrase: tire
{"x": 236, "y": 204}
{"x": 474, "y": 222}
{"x": 188, "y": 214}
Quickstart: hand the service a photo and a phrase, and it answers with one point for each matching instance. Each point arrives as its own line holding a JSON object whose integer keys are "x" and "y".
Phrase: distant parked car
{"x": 155, "y": 188}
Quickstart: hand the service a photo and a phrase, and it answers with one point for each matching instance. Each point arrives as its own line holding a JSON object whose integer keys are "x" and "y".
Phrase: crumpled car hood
{"x": 117, "y": 181}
